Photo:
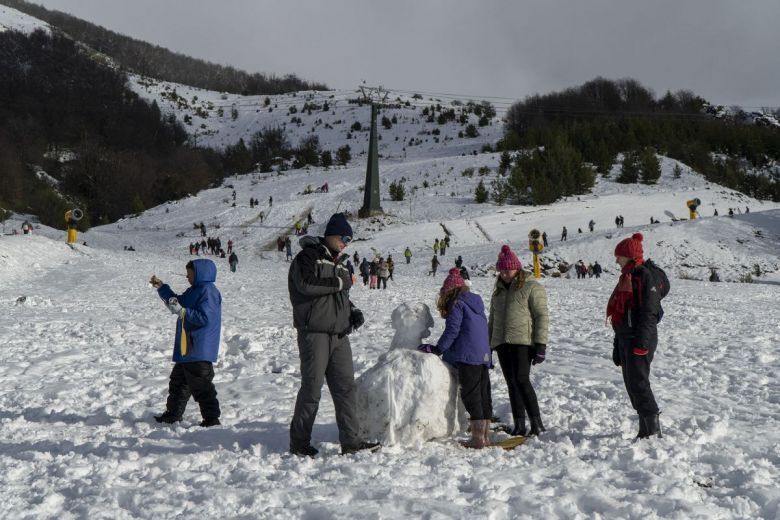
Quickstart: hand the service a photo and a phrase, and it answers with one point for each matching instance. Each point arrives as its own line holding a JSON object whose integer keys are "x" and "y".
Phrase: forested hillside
{"x": 72, "y": 133}
{"x": 602, "y": 118}
{"x": 158, "y": 62}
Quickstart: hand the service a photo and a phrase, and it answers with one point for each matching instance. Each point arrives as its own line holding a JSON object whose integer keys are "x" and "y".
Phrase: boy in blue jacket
{"x": 196, "y": 346}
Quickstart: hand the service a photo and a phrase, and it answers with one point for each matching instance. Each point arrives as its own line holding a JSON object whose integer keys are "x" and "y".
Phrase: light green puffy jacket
{"x": 518, "y": 315}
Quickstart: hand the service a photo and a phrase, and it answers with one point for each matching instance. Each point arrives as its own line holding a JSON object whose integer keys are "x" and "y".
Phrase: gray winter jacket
{"x": 318, "y": 294}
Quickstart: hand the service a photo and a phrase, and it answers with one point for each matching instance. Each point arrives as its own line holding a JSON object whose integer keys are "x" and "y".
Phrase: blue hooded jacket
{"x": 465, "y": 336}
{"x": 202, "y": 323}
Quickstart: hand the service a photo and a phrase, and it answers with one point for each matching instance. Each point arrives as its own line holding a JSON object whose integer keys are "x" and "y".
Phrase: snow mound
{"x": 409, "y": 397}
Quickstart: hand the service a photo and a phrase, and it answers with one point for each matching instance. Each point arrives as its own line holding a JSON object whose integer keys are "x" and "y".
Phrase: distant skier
{"x": 288, "y": 248}
{"x": 233, "y": 261}
{"x": 390, "y": 265}
{"x": 365, "y": 270}
{"x": 196, "y": 345}
{"x": 434, "y": 265}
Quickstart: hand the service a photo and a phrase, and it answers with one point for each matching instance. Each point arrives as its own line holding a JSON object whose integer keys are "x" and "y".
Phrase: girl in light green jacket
{"x": 517, "y": 326}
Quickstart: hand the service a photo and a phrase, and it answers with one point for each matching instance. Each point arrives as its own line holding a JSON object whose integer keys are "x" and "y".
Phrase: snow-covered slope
{"x": 330, "y": 115}
{"x": 87, "y": 345}
{"x": 13, "y": 20}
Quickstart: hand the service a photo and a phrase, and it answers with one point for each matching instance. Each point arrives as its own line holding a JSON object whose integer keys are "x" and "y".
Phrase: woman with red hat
{"x": 633, "y": 310}
{"x": 517, "y": 325}
{"x": 464, "y": 345}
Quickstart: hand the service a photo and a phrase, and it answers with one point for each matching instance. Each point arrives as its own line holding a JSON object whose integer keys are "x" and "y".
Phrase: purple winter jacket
{"x": 465, "y": 337}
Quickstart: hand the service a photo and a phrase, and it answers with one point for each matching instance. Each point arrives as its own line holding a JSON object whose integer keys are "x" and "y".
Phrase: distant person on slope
{"x": 365, "y": 270}
{"x": 564, "y": 232}
{"x": 324, "y": 316}
{"x": 196, "y": 345}
{"x": 464, "y": 344}
{"x": 517, "y": 326}
{"x": 233, "y": 261}
{"x": 633, "y": 310}
{"x": 434, "y": 265}
{"x": 408, "y": 255}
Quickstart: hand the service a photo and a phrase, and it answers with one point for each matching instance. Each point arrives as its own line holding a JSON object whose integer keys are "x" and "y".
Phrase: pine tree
{"x": 343, "y": 155}
{"x": 629, "y": 169}
{"x": 326, "y": 159}
{"x": 481, "y": 192}
{"x": 505, "y": 163}
{"x": 650, "y": 168}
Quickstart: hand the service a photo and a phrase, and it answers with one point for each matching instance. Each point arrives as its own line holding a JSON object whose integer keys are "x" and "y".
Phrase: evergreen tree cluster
{"x": 107, "y": 150}
{"x": 158, "y": 62}
{"x": 603, "y": 118}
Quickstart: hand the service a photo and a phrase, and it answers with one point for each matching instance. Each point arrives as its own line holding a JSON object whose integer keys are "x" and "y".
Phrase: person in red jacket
{"x": 633, "y": 310}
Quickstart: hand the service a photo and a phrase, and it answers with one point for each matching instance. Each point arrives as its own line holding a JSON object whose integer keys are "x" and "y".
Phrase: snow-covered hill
{"x": 13, "y": 20}
{"x": 87, "y": 348}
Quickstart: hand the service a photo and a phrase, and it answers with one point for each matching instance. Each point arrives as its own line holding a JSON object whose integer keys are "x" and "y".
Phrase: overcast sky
{"x": 725, "y": 50}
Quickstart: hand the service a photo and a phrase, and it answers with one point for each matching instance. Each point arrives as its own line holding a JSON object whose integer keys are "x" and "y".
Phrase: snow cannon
{"x": 72, "y": 217}
{"x": 536, "y": 245}
{"x": 692, "y": 205}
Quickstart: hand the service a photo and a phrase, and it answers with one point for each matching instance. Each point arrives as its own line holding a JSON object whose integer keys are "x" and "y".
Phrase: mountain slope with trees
{"x": 603, "y": 118}
{"x": 155, "y": 61}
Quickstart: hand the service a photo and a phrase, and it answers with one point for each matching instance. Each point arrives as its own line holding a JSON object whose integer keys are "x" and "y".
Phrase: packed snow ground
{"x": 87, "y": 350}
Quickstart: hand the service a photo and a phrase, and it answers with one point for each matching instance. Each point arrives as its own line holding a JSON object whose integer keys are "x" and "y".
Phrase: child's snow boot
{"x": 210, "y": 421}
{"x": 478, "y": 434}
{"x": 652, "y": 426}
{"x": 167, "y": 418}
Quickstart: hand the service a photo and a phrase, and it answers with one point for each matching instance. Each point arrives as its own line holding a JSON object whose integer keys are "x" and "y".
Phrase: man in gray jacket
{"x": 323, "y": 317}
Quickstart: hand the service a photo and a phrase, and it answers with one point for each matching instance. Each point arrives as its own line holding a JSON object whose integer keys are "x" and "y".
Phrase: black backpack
{"x": 660, "y": 283}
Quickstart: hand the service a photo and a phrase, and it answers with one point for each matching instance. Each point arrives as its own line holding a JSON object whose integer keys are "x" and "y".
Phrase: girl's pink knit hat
{"x": 453, "y": 280}
{"x": 507, "y": 260}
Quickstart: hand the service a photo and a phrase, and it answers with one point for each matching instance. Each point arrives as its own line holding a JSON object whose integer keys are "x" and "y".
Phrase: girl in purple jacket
{"x": 465, "y": 345}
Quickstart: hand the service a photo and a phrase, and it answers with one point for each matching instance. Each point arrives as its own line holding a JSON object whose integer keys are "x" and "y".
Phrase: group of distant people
{"x": 589, "y": 270}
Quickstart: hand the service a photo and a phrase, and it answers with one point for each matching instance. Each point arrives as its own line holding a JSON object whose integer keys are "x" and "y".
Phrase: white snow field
{"x": 86, "y": 346}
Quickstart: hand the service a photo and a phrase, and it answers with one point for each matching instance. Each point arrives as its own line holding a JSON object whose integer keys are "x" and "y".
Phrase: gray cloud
{"x": 724, "y": 50}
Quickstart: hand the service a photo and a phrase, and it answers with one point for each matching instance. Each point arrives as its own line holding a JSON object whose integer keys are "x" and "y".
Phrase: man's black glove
{"x": 356, "y": 318}
{"x": 615, "y": 353}
{"x": 346, "y": 279}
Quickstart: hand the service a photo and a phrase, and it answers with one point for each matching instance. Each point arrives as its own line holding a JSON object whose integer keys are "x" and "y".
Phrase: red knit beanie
{"x": 507, "y": 260}
{"x": 631, "y": 248}
{"x": 453, "y": 280}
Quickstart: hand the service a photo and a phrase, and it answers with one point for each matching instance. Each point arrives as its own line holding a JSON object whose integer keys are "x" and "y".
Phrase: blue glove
{"x": 429, "y": 349}
{"x": 175, "y": 308}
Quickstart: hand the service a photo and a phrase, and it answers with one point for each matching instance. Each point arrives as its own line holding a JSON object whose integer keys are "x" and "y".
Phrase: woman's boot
{"x": 519, "y": 429}
{"x": 536, "y": 425}
{"x": 486, "y": 430}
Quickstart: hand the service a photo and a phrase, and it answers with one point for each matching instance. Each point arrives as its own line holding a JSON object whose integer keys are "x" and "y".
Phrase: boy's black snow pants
{"x": 474, "y": 381}
{"x": 636, "y": 376}
{"x": 515, "y": 361}
{"x": 193, "y": 379}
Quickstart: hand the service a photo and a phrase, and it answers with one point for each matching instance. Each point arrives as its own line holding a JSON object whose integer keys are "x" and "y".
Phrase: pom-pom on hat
{"x": 453, "y": 280}
{"x": 631, "y": 248}
{"x": 507, "y": 260}
{"x": 338, "y": 225}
